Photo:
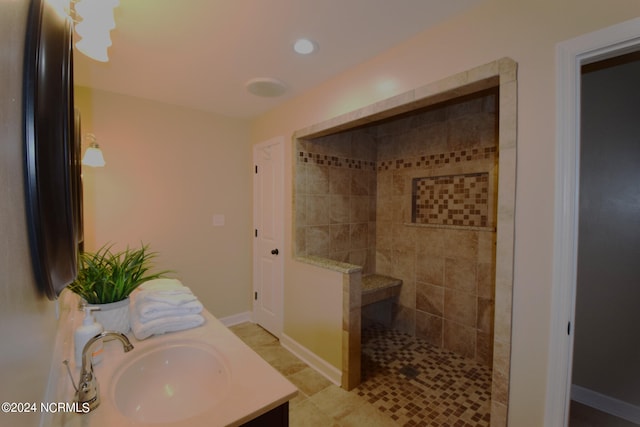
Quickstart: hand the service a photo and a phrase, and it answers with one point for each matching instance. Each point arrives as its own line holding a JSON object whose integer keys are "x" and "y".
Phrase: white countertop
{"x": 254, "y": 388}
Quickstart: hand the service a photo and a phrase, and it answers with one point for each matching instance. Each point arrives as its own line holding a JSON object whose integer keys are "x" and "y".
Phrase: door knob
{"x": 275, "y": 251}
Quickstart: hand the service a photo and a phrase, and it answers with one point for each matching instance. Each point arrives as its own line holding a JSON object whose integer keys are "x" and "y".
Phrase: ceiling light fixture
{"x": 305, "y": 46}
{"x": 266, "y": 87}
{"x": 93, "y": 21}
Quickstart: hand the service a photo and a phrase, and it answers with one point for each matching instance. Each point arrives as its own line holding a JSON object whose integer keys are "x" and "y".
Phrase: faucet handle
{"x": 65, "y": 362}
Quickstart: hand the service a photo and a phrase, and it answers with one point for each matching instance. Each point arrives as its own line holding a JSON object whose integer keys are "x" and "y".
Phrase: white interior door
{"x": 268, "y": 219}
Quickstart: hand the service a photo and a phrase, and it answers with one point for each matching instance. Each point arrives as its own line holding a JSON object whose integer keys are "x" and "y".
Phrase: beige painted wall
{"x": 526, "y": 31}
{"x": 27, "y": 320}
{"x": 169, "y": 170}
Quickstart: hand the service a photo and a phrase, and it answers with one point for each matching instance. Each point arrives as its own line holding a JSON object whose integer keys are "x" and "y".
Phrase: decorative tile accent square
{"x": 461, "y": 200}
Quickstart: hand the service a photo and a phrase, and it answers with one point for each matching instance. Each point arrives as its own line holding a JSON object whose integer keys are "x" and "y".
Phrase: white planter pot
{"x": 113, "y": 316}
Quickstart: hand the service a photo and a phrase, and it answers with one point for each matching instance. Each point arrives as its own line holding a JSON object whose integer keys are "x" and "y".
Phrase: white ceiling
{"x": 200, "y": 53}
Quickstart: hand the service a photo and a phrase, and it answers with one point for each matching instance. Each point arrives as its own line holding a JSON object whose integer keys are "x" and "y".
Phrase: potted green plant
{"x": 106, "y": 279}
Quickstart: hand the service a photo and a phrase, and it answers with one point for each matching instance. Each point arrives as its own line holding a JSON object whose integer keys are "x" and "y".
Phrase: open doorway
{"x": 607, "y": 322}
{"x": 501, "y": 74}
{"x": 603, "y": 44}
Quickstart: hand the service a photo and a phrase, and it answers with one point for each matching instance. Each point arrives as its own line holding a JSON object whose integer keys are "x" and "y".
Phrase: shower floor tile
{"x": 405, "y": 382}
{"x": 417, "y": 384}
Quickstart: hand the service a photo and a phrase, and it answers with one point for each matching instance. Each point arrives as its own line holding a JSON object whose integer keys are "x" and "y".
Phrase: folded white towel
{"x": 149, "y": 310}
{"x": 164, "y": 324}
{"x": 166, "y": 297}
{"x": 147, "y": 305}
{"x": 163, "y": 284}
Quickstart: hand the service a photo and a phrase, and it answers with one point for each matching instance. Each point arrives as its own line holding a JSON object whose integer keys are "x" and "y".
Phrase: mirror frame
{"x": 50, "y": 149}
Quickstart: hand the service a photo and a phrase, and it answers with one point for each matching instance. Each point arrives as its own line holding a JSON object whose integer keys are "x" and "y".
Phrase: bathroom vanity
{"x": 205, "y": 376}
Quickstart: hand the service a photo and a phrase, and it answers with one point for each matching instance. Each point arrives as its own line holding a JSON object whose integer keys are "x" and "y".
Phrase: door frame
{"x": 279, "y": 140}
{"x": 570, "y": 56}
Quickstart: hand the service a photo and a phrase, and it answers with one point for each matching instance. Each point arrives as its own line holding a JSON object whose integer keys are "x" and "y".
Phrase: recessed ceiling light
{"x": 305, "y": 46}
{"x": 267, "y": 87}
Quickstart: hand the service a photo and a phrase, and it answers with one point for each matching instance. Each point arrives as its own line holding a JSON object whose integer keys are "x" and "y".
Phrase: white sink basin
{"x": 171, "y": 382}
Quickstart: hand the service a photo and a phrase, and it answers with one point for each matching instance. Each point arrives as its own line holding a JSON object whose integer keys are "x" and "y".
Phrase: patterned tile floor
{"x": 406, "y": 382}
{"x": 417, "y": 384}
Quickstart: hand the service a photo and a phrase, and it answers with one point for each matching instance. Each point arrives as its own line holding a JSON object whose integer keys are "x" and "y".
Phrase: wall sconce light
{"x": 93, "y": 156}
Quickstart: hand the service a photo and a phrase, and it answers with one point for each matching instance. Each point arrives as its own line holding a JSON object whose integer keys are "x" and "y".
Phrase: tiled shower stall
{"x": 413, "y": 197}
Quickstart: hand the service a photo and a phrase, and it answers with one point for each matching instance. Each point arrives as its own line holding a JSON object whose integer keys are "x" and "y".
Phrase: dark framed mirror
{"x": 50, "y": 151}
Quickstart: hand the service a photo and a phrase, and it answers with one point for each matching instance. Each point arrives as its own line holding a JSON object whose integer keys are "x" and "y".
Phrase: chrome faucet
{"x": 87, "y": 391}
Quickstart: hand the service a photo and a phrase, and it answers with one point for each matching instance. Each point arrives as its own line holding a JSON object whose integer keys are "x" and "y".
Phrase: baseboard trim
{"x": 605, "y": 403}
{"x": 325, "y": 369}
{"x": 236, "y": 319}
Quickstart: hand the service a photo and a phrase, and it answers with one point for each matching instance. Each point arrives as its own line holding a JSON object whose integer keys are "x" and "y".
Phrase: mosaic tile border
{"x": 340, "y": 162}
{"x": 425, "y": 161}
{"x": 438, "y": 159}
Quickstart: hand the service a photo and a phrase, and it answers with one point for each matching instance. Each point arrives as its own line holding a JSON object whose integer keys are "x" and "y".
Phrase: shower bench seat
{"x": 376, "y": 287}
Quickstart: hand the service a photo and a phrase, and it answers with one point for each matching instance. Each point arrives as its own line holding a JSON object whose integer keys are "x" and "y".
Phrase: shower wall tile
{"x": 335, "y": 200}
{"x": 408, "y": 297}
{"x": 359, "y": 211}
{"x": 487, "y": 247}
{"x": 301, "y": 240}
{"x": 430, "y": 241}
{"x": 300, "y": 179}
{"x": 430, "y": 269}
{"x": 384, "y": 235}
{"x": 501, "y": 356}
{"x": 301, "y": 209}
{"x": 385, "y": 185}
{"x": 466, "y": 109}
{"x": 404, "y": 266}
{"x": 360, "y": 183}
{"x": 359, "y": 234}
{"x": 460, "y": 339}
{"x": 360, "y": 257}
{"x": 399, "y": 209}
{"x": 430, "y": 299}
{"x": 403, "y": 239}
{"x": 363, "y": 145}
{"x": 499, "y": 388}
{"x": 317, "y": 179}
{"x": 469, "y": 131}
{"x": 372, "y": 208}
{"x": 460, "y": 307}
{"x": 484, "y": 321}
{"x": 462, "y": 244}
{"x": 486, "y": 274}
{"x": 404, "y": 319}
{"x": 399, "y": 182}
{"x": 339, "y": 181}
{"x": 372, "y": 237}
{"x": 429, "y": 328}
{"x": 460, "y": 274}
{"x": 353, "y": 194}
{"x": 319, "y": 211}
{"x": 484, "y": 348}
{"x": 452, "y": 287}
{"x": 318, "y": 240}
{"x": 384, "y": 261}
{"x": 342, "y": 256}
{"x": 339, "y": 238}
